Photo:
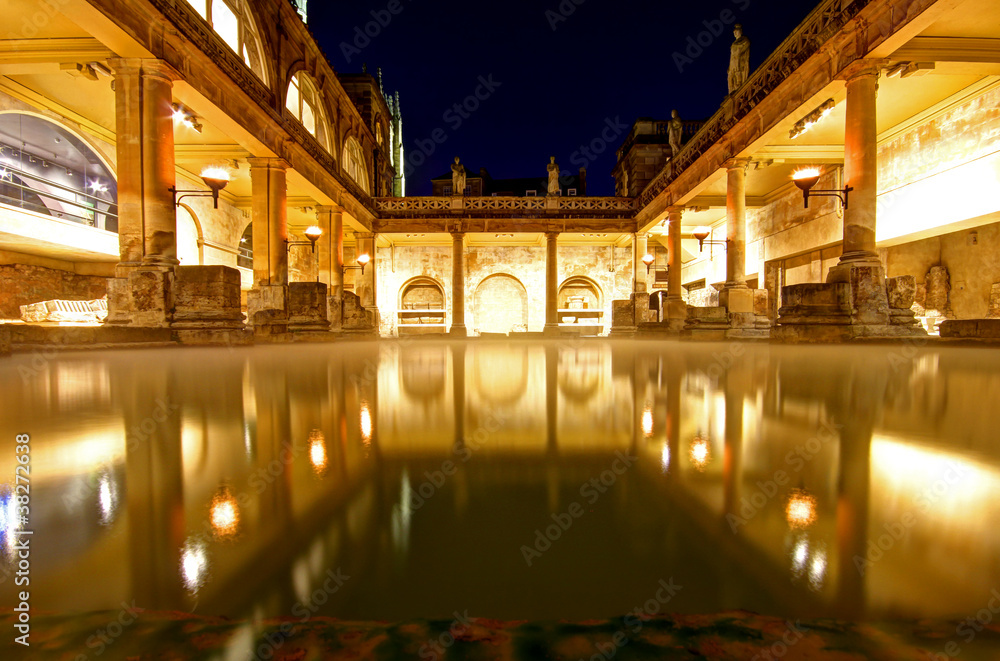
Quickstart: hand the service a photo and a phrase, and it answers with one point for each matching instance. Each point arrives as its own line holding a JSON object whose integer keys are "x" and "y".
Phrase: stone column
{"x": 676, "y": 307}
{"x": 147, "y": 223}
{"x": 331, "y": 262}
{"x": 640, "y": 246}
{"x": 325, "y": 245}
{"x": 551, "y": 282}
{"x": 458, "y": 284}
{"x": 861, "y": 164}
{"x": 736, "y": 223}
{"x": 270, "y": 231}
{"x": 364, "y": 284}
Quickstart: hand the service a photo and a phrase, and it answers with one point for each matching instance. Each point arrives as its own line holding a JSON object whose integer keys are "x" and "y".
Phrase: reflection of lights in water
{"x": 366, "y": 424}
{"x": 194, "y": 565}
{"x": 8, "y": 521}
{"x": 701, "y": 454}
{"x": 317, "y": 451}
{"x": 402, "y": 514}
{"x": 225, "y": 514}
{"x": 647, "y": 422}
{"x": 665, "y": 458}
{"x": 817, "y": 570}
{"x": 800, "y": 556}
{"x": 107, "y": 498}
{"x": 801, "y": 509}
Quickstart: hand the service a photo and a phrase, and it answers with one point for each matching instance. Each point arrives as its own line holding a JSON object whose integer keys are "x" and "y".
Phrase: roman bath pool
{"x": 573, "y": 480}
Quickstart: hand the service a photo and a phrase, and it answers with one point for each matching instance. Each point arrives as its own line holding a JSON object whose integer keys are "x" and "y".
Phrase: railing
{"x": 437, "y": 206}
{"x": 821, "y": 24}
{"x": 244, "y": 257}
{"x": 89, "y": 212}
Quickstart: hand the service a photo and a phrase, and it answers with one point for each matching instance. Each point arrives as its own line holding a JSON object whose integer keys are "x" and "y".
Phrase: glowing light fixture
{"x": 363, "y": 260}
{"x": 800, "y": 512}
{"x": 807, "y": 178}
{"x": 187, "y": 118}
{"x": 702, "y": 234}
{"x": 215, "y": 178}
{"x": 225, "y": 514}
{"x": 648, "y": 260}
{"x": 313, "y": 233}
{"x": 812, "y": 119}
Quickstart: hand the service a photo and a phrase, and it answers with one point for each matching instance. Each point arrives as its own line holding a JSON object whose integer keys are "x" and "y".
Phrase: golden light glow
{"x": 800, "y": 512}
{"x": 366, "y": 424}
{"x": 363, "y": 259}
{"x": 215, "y": 174}
{"x": 647, "y": 422}
{"x": 194, "y": 565}
{"x": 313, "y": 232}
{"x": 225, "y": 514}
{"x": 805, "y": 173}
{"x": 648, "y": 259}
{"x": 317, "y": 451}
{"x": 665, "y": 458}
{"x": 701, "y": 453}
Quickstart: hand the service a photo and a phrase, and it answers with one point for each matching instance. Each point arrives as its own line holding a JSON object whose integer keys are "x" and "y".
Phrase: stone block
{"x": 267, "y": 297}
{"x": 5, "y": 340}
{"x": 994, "y": 309}
{"x": 335, "y": 312}
{"x": 307, "y": 306}
{"x": 836, "y": 296}
{"x": 622, "y": 314}
{"x": 901, "y": 292}
{"x": 977, "y": 329}
{"x": 760, "y": 302}
{"x": 119, "y": 301}
{"x": 868, "y": 295}
{"x": 152, "y": 297}
{"x": 357, "y": 318}
{"x": 207, "y": 297}
{"x": 737, "y": 300}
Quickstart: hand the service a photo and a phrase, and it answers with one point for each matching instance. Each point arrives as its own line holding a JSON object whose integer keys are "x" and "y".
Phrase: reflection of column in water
{"x": 458, "y": 392}
{"x": 672, "y": 448}
{"x": 552, "y": 398}
{"x": 642, "y": 417}
{"x": 155, "y": 485}
{"x": 732, "y": 463}
{"x": 275, "y": 450}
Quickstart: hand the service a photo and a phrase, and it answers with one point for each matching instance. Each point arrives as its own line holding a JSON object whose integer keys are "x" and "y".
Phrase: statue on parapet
{"x": 739, "y": 60}
{"x": 553, "y": 169}
{"x": 675, "y": 132}
{"x": 457, "y": 178}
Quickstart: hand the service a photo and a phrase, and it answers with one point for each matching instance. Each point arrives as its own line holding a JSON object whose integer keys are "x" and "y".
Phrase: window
{"x": 303, "y": 102}
{"x": 354, "y": 163}
{"x": 447, "y": 190}
{"x": 531, "y": 193}
{"x": 468, "y": 190}
{"x": 571, "y": 192}
{"x": 233, "y": 22}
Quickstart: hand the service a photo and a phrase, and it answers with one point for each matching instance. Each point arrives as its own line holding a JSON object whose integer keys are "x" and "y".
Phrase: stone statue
{"x": 457, "y": 178}
{"x": 553, "y": 176}
{"x": 675, "y": 131}
{"x": 739, "y": 60}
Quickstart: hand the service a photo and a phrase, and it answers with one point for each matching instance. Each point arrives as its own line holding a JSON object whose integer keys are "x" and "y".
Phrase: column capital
{"x": 329, "y": 208}
{"x": 738, "y": 163}
{"x": 457, "y": 235}
{"x": 864, "y": 68}
{"x": 552, "y": 236}
{"x": 146, "y": 66}
{"x": 268, "y": 163}
{"x": 675, "y": 212}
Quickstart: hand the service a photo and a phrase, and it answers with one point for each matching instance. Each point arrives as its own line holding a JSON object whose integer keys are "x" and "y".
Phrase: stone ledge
{"x": 984, "y": 329}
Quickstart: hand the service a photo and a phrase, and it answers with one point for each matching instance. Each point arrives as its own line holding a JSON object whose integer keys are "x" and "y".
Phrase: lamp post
{"x": 312, "y": 234}
{"x": 702, "y": 234}
{"x": 648, "y": 260}
{"x": 363, "y": 260}
{"x": 215, "y": 178}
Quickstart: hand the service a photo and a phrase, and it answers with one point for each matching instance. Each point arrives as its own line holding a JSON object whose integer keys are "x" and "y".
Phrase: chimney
{"x": 583, "y": 181}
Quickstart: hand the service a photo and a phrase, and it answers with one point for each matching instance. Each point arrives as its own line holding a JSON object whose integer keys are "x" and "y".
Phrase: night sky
{"x": 553, "y": 76}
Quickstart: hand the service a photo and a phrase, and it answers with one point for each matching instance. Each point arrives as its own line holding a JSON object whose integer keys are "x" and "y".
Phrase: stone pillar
{"x": 325, "y": 245}
{"x": 639, "y": 246}
{"x": 147, "y": 224}
{"x": 458, "y": 284}
{"x": 364, "y": 284}
{"x": 551, "y": 282}
{"x": 331, "y": 261}
{"x": 270, "y": 232}
{"x": 736, "y": 223}
{"x": 861, "y": 164}
{"x": 676, "y": 307}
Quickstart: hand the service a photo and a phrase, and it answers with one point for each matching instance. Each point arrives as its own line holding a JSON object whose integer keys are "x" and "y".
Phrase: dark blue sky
{"x": 552, "y": 76}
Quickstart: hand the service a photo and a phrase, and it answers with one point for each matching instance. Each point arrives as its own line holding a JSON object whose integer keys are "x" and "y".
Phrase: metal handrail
{"x": 21, "y": 174}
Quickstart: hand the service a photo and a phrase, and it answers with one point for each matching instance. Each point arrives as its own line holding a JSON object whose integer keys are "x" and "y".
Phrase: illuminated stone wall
{"x": 21, "y": 284}
{"x": 525, "y": 264}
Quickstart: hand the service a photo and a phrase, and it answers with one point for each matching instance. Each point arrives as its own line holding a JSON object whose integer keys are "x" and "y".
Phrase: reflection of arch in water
{"x": 423, "y": 372}
{"x": 501, "y": 305}
{"x": 580, "y": 289}
{"x": 500, "y": 377}
{"x": 580, "y": 373}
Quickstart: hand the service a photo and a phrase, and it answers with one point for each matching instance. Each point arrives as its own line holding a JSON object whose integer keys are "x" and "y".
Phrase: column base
{"x": 551, "y": 330}
{"x": 267, "y": 305}
{"x": 458, "y": 331}
{"x": 152, "y": 292}
{"x": 207, "y": 298}
{"x": 308, "y": 307}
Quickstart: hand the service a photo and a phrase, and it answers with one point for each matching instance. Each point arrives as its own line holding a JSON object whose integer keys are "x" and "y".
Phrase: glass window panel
{"x": 200, "y": 6}
{"x": 226, "y": 24}
{"x": 293, "y": 96}
{"x": 309, "y": 118}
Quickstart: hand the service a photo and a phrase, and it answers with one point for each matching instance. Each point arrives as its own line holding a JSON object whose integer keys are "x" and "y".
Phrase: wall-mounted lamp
{"x": 215, "y": 178}
{"x": 363, "y": 260}
{"x": 184, "y": 116}
{"x": 312, "y": 234}
{"x": 702, "y": 234}
{"x": 807, "y": 178}
{"x": 648, "y": 260}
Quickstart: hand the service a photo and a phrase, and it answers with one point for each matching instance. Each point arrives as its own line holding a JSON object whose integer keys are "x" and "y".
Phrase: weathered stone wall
{"x": 972, "y": 258}
{"x": 21, "y": 284}
{"x": 525, "y": 264}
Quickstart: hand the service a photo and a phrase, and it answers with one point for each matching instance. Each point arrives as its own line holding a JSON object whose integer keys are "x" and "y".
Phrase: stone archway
{"x": 501, "y": 305}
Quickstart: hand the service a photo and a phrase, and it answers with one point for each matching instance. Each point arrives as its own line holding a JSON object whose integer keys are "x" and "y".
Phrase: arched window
{"x": 46, "y": 169}
{"x": 354, "y": 163}
{"x": 233, "y": 21}
{"x": 304, "y": 103}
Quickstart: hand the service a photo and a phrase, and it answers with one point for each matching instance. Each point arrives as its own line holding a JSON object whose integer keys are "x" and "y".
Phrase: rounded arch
{"x": 304, "y": 100}
{"x": 235, "y": 21}
{"x": 354, "y": 162}
{"x": 421, "y": 293}
{"x": 500, "y": 304}
{"x": 244, "y": 255}
{"x": 579, "y": 291}
{"x": 59, "y": 172}
{"x": 190, "y": 238}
